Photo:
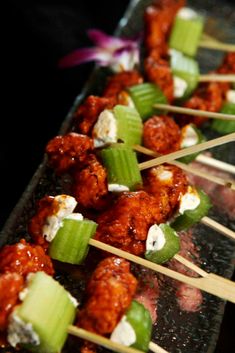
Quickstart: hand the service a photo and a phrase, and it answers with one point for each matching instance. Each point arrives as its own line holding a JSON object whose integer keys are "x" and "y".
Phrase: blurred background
{"x": 37, "y": 96}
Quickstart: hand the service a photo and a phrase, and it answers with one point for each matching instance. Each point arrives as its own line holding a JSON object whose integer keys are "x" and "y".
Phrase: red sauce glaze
{"x": 24, "y": 258}
{"x": 161, "y": 134}
{"x": 90, "y": 184}
{"x": 158, "y": 71}
{"x": 168, "y": 190}
{"x": 120, "y": 81}
{"x": 87, "y": 114}
{"x": 65, "y": 152}
{"x": 10, "y": 286}
{"x": 158, "y": 19}
{"x": 126, "y": 224}
{"x": 109, "y": 293}
{"x": 46, "y": 207}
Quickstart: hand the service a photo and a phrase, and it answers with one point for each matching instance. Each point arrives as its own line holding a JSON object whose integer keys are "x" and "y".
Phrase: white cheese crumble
{"x": 123, "y": 333}
{"x": 230, "y": 96}
{"x": 187, "y": 14}
{"x": 105, "y": 129}
{"x": 189, "y": 136}
{"x": 66, "y": 206}
{"x": 75, "y": 216}
{"x": 190, "y": 200}
{"x": 117, "y": 188}
{"x": 155, "y": 239}
{"x": 23, "y": 294}
{"x": 21, "y": 332}
{"x": 162, "y": 174}
{"x": 180, "y": 87}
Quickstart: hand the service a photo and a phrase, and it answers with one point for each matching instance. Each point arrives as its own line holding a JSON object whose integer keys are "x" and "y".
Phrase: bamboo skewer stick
{"x": 218, "y": 227}
{"x": 216, "y": 45}
{"x": 217, "y": 78}
{"x": 187, "y": 151}
{"x": 195, "y": 112}
{"x": 209, "y": 283}
{"x": 215, "y": 163}
{"x": 227, "y": 183}
{"x": 102, "y": 341}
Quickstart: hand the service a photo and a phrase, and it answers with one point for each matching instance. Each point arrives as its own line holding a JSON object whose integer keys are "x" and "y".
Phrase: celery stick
{"x": 144, "y": 96}
{"x": 185, "y": 34}
{"x": 122, "y": 166}
{"x": 49, "y": 309}
{"x": 225, "y": 126}
{"x": 71, "y": 241}
{"x": 129, "y": 125}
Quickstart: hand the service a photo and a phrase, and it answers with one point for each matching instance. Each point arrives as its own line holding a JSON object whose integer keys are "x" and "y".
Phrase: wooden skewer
{"x": 216, "y": 45}
{"x": 215, "y": 163}
{"x": 107, "y": 343}
{"x": 209, "y": 283}
{"x": 227, "y": 183}
{"x": 195, "y": 112}
{"x": 205, "y": 220}
{"x": 187, "y": 151}
{"x": 218, "y": 227}
{"x": 217, "y": 78}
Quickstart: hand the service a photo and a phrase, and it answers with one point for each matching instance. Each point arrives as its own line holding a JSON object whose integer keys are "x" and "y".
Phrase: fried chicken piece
{"x": 90, "y": 184}
{"x": 208, "y": 96}
{"x": 64, "y": 152}
{"x": 120, "y": 81}
{"x": 158, "y": 20}
{"x": 24, "y": 258}
{"x": 168, "y": 183}
{"x": 161, "y": 134}
{"x": 87, "y": 114}
{"x": 10, "y": 286}
{"x": 109, "y": 294}
{"x": 126, "y": 224}
{"x": 158, "y": 71}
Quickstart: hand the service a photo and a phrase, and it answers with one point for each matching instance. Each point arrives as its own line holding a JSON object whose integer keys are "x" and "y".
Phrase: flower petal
{"x": 84, "y": 55}
{"x": 102, "y": 40}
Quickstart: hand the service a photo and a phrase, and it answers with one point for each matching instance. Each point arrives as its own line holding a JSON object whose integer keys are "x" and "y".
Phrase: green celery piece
{"x": 185, "y": 35}
{"x": 190, "y": 217}
{"x": 49, "y": 309}
{"x": 129, "y": 125}
{"x": 122, "y": 166}
{"x": 225, "y": 126}
{"x": 144, "y": 96}
{"x": 71, "y": 241}
{"x": 186, "y": 68}
{"x": 171, "y": 247}
{"x": 141, "y": 322}
{"x": 201, "y": 138}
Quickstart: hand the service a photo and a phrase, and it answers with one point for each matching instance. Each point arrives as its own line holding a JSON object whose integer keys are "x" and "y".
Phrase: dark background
{"x": 37, "y": 96}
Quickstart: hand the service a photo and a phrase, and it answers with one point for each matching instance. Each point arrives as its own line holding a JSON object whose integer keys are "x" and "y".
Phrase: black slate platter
{"x": 176, "y": 331}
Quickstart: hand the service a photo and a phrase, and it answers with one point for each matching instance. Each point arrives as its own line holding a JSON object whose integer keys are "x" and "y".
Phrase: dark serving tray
{"x": 175, "y": 331}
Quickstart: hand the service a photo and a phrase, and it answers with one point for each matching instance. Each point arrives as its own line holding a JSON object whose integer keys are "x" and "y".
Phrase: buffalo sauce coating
{"x": 90, "y": 184}
{"x": 46, "y": 207}
{"x": 158, "y": 20}
{"x": 168, "y": 190}
{"x": 10, "y": 286}
{"x": 120, "y": 81}
{"x": 24, "y": 258}
{"x": 126, "y": 224}
{"x": 64, "y": 152}
{"x": 161, "y": 134}
{"x": 87, "y": 114}
{"x": 110, "y": 291}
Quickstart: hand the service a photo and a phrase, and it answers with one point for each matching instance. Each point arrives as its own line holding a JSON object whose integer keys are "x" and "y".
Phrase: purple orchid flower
{"x": 117, "y": 53}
